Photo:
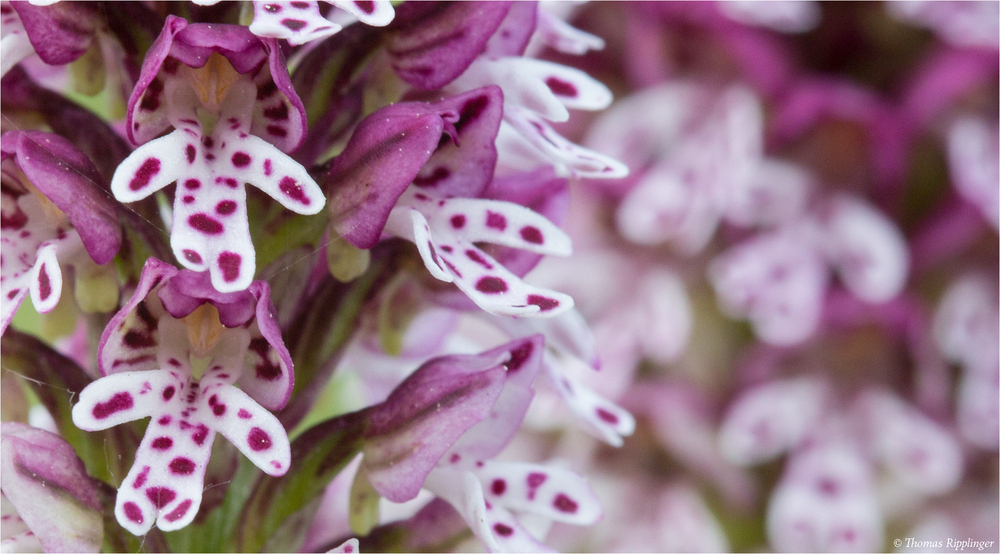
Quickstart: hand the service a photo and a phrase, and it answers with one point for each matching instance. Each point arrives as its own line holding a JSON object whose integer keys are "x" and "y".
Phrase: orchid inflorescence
{"x": 753, "y": 287}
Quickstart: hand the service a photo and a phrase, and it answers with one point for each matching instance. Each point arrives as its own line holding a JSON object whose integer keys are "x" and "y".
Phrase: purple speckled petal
{"x": 424, "y": 416}
{"x": 129, "y": 342}
{"x": 445, "y": 232}
{"x": 463, "y": 167}
{"x": 556, "y": 493}
{"x": 350, "y": 546}
{"x": 599, "y": 416}
{"x": 511, "y": 38}
{"x": 60, "y": 33}
{"x": 377, "y": 13}
{"x": 492, "y": 524}
{"x": 296, "y": 22}
{"x": 69, "y": 179}
{"x": 49, "y": 488}
{"x": 380, "y": 161}
{"x": 434, "y": 43}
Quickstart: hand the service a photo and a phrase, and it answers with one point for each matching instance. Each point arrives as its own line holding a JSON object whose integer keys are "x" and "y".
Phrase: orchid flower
{"x": 54, "y": 213}
{"x": 779, "y": 280}
{"x": 975, "y": 165}
{"x": 222, "y": 89}
{"x": 826, "y": 500}
{"x": 173, "y": 353}
{"x": 965, "y": 327}
{"x": 59, "y": 34}
{"x": 484, "y": 491}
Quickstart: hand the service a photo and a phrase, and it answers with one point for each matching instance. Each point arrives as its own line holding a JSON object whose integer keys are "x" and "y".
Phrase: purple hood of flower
{"x": 390, "y": 148}
{"x": 69, "y": 179}
{"x": 192, "y": 45}
{"x": 130, "y": 340}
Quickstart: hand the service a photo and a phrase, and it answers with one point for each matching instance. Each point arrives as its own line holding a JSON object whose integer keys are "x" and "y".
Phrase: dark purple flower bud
{"x": 61, "y": 32}
{"x": 435, "y": 42}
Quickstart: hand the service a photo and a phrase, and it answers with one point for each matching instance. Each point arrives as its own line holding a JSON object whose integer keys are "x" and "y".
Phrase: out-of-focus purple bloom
{"x": 59, "y": 34}
{"x": 54, "y": 212}
{"x": 779, "y": 280}
{"x": 973, "y": 24}
{"x": 173, "y": 353}
{"x": 787, "y": 16}
{"x": 241, "y": 82}
{"x": 966, "y": 328}
{"x": 49, "y": 500}
{"x": 974, "y": 161}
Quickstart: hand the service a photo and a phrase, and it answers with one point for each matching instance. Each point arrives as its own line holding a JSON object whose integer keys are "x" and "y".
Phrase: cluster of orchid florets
{"x": 749, "y": 303}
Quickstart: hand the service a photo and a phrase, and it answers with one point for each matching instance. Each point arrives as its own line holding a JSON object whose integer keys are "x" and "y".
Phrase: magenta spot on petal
{"x": 439, "y": 174}
{"x": 12, "y": 294}
{"x": 564, "y": 503}
{"x": 174, "y": 362}
{"x": 447, "y": 248}
{"x": 503, "y": 530}
{"x": 200, "y": 435}
{"x": 141, "y": 478}
{"x": 544, "y": 303}
{"x": 491, "y": 285}
{"x": 349, "y": 549}
{"x": 135, "y": 339}
{"x": 455, "y": 457}
{"x": 560, "y": 87}
{"x": 272, "y": 8}
{"x": 478, "y": 258}
{"x": 229, "y": 263}
{"x": 366, "y": 6}
{"x": 162, "y": 443}
{"x": 535, "y": 480}
{"x": 243, "y": 414}
{"x": 241, "y": 159}
{"x": 293, "y": 190}
{"x": 165, "y": 420}
{"x": 160, "y": 496}
{"x": 607, "y": 416}
{"x": 205, "y": 224}
{"x": 120, "y": 401}
{"x": 265, "y": 370}
{"x": 279, "y": 112}
{"x": 498, "y": 486}
{"x": 496, "y": 221}
{"x": 828, "y": 486}
{"x": 192, "y": 184}
{"x": 171, "y": 64}
{"x": 225, "y": 207}
{"x": 518, "y": 356}
{"x": 189, "y": 153}
{"x": 277, "y": 130}
{"x": 192, "y": 256}
{"x": 532, "y": 235}
{"x": 168, "y": 392}
{"x": 133, "y": 512}
{"x": 258, "y": 439}
{"x": 458, "y": 221}
{"x": 267, "y": 168}
{"x": 219, "y": 409}
{"x": 44, "y": 286}
{"x": 181, "y": 466}
{"x": 300, "y": 5}
{"x": 471, "y": 111}
{"x": 188, "y": 199}
{"x": 179, "y": 511}
{"x": 145, "y": 174}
